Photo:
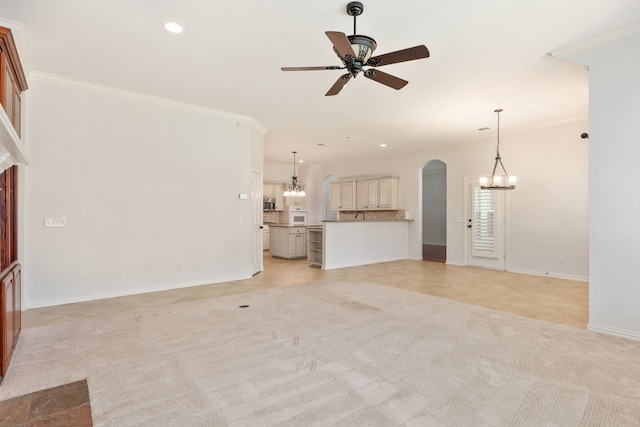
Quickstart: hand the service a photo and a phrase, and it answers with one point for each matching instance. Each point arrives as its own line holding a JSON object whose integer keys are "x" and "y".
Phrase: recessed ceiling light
{"x": 172, "y": 27}
{"x": 383, "y": 145}
{"x": 300, "y": 161}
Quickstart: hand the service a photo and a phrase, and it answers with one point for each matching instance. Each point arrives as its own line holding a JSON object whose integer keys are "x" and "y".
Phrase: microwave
{"x": 295, "y": 215}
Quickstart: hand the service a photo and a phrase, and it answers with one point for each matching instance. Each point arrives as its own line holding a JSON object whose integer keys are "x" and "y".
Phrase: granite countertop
{"x": 374, "y": 220}
{"x": 291, "y": 226}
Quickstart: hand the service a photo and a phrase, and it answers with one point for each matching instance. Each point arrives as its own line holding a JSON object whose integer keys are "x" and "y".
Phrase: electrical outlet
{"x": 180, "y": 265}
{"x": 240, "y": 220}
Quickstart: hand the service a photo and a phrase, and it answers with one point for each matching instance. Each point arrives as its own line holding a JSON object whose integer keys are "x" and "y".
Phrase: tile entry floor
{"x": 65, "y": 406}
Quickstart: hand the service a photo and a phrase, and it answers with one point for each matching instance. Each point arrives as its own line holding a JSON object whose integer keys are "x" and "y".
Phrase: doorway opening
{"x": 434, "y": 211}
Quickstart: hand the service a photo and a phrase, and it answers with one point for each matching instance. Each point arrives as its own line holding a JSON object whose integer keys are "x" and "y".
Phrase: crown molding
{"x": 37, "y": 75}
{"x": 590, "y": 42}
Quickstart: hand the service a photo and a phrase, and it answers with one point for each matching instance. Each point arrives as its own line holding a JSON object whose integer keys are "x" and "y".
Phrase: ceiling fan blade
{"x": 338, "y": 85}
{"x": 416, "y": 52}
{"x": 341, "y": 43}
{"x": 328, "y": 67}
{"x": 385, "y": 79}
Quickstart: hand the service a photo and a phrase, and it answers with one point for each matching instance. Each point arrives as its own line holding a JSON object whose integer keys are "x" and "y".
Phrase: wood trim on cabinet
{"x": 8, "y": 46}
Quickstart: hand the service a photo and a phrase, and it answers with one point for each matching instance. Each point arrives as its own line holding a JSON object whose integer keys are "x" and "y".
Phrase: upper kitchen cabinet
{"x": 274, "y": 191}
{"x": 12, "y": 83}
{"x": 377, "y": 193}
{"x": 343, "y": 195}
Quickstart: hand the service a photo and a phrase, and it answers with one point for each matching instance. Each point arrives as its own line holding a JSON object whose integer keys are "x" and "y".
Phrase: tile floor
{"x": 65, "y": 406}
{"x": 553, "y": 300}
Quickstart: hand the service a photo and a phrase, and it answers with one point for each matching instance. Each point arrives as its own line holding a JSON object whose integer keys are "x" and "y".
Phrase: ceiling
{"x": 484, "y": 55}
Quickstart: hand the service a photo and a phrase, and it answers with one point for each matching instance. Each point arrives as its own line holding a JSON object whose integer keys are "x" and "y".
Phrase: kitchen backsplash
{"x": 271, "y": 217}
{"x": 372, "y": 215}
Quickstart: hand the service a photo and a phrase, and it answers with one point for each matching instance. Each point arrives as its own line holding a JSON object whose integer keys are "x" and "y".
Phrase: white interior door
{"x": 485, "y": 227}
{"x": 256, "y": 222}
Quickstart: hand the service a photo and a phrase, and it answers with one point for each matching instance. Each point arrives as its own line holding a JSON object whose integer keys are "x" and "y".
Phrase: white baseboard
{"x": 62, "y": 301}
{"x": 461, "y": 264}
{"x": 620, "y": 333}
{"x": 549, "y": 274}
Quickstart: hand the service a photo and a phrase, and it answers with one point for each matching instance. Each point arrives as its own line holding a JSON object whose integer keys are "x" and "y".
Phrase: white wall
{"x": 548, "y": 212}
{"x": 143, "y": 184}
{"x": 614, "y": 290}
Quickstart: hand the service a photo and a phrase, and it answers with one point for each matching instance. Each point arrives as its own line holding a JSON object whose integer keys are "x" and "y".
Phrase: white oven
{"x": 295, "y": 215}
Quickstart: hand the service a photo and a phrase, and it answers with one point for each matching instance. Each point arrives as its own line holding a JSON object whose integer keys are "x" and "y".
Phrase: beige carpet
{"x": 333, "y": 353}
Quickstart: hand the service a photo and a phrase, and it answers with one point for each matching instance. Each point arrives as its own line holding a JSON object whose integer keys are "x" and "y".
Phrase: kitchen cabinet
{"x": 314, "y": 246}
{"x": 265, "y": 237}
{"x": 10, "y": 314}
{"x": 288, "y": 242}
{"x": 377, "y": 193}
{"x": 343, "y": 195}
{"x": 275, "y": 191}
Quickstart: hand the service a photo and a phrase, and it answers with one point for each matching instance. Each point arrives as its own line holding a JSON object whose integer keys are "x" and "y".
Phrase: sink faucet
{"x": 361, "y": 213}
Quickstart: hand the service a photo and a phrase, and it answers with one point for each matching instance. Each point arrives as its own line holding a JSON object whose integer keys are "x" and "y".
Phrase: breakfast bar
{"x": 352, "y": 243}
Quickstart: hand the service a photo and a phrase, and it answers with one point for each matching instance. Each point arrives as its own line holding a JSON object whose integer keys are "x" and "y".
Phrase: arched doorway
{"x": 434, "y": 211}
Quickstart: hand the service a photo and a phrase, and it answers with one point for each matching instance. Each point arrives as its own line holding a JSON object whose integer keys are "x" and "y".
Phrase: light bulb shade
{"x": 363, "y": 47}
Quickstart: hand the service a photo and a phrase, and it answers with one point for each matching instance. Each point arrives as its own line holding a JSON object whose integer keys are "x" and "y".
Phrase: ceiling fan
{"x": 355, "y": 52}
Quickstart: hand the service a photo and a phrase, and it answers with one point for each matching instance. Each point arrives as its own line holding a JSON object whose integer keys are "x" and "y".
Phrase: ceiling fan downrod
{"x": 355, "y": 8}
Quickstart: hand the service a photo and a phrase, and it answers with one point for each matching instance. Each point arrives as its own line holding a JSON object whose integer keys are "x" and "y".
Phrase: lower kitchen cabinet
{"x": 288, "y": 242}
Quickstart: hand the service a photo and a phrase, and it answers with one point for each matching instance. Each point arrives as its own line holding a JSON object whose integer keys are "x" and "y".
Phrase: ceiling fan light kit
{"x": 355, "y": 52}
{"x": 499, "y": 181}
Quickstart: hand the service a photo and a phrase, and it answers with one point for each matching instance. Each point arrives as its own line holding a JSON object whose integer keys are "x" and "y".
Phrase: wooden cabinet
{"x": 12, "y": 79}
{"x": 10, "y": 314}
{"x": 12, "y": 84}
{"x": 377, "y": 193}
{"x": 343, "y": 195}
{"x": 314, "y": 246}
{"x": 275, "y": 191}
{"x": 287, "y": 242}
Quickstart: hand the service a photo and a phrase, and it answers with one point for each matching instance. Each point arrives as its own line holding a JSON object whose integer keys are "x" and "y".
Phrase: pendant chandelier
{"x": 498, "y": 181}
{"x": 294, "y": 189}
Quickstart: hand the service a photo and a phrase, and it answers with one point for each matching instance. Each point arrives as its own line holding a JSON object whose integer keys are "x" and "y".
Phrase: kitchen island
{"x": 288, "y": 241}
{"x": 352, "y": 243}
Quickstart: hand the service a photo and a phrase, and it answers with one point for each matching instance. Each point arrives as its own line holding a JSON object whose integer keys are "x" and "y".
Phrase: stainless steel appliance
{"x": 268, "y": 203}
